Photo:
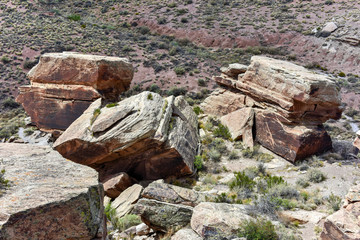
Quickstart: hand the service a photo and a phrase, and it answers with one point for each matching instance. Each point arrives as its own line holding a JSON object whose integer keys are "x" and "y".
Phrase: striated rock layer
{"x": 63, "y": 85}
{"x": 48, "y": 197}
{"x": 146, "y": 136}
{"x": 290, "y": 103}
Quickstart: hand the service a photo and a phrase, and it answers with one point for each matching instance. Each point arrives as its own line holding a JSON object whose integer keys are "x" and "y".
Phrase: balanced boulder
{"x": 63, "y": 85}
{"x": 290, "y": 105}
{"x": 145, "y": 135}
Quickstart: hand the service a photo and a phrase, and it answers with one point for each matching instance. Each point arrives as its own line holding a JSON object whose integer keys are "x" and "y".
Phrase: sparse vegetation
{"x": 259, "y": 229}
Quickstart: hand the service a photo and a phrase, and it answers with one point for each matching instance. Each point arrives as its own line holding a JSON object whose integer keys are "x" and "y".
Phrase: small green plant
{"x": 110, "y": 105}
{"x": 74, "y": 17}
{"x": 198, "y": 162}
{"x": 122, "y": 223}
{"x": 5, "y": 59}
{"x": 4, "y": 183}
{"x": 260, "y": 229}
{"x": 222, "y": 131}
{"x": 234, "y": 155}
{"x": 303, "y": 182}
{"x": 96, "y": 113}
{"x": 273, "y": 180}
{"x": 198, "y": 110}
{"x": 242, "y": 181}
{"x": 342, "y": 74}
{"x": 150, "y": 96}
{"x": 316, "y": 176}
{"x": 214, "y": 155}
{"x": 179, "y": 70}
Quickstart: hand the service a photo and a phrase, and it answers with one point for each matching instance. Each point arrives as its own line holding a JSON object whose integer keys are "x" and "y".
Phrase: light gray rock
{"x": 146, "y": 136}
{"x": 125, "y": 202}
{"x": 163, "y": 216}
{"x": 328, "y": 29}
{"x": 49, "y": 197}
{"x": 234, "y": 69}
{"x": 186, "y": 234}
{"x": 220, "y": 219}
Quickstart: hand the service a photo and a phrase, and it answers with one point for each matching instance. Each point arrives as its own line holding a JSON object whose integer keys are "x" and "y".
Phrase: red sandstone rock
{"x": 63, "y": 85}
{"x": 117, "y": 183}
{"x": 293, "y": 142}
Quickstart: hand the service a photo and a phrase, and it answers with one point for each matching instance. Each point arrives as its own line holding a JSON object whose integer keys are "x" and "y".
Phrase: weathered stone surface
{"x": 49, "y": 197}
{"x": 164, "y": 192}
{"x": 343, "y": 224}
{"x": 290, "y": 141}
{"x": 327, "y": 29}
{"x": 345, "y": 149}
{"x": 357, "y": 140}
{"x": 210, "y": 219}
{"x": 163, "y": 216}
{"x": 108, "y": 75}
{"x": 186, "y": 234}
{"x": 127, "y": 199}
{"x": 301, "y": 216}
{"x": 52, "y": 106}
{"x": 116, "y": 183}
{"x": 233, "y": 70}
{"x": 240, "y": 124}
{"x": 222, "y": 102}
{"x": 146, "y": 136}
{"x": 63, "y": 85}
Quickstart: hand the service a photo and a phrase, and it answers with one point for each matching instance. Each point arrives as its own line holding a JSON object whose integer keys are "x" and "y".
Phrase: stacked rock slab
{"x": 290, "y": 104}
{"x": 48, "y": 197}
{"x": 63, "y": 85}
{"x": 145, "y": 135}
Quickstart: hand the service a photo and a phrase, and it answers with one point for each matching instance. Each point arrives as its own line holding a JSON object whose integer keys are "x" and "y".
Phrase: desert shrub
{"x": 122, "y": 223}
{"x": 143, "y": 30}
{"x": 334, "y": 202}
{"x": 302, "y": 182}
{"x": 214, "y": 155}
{"x": 219, "y": 145}
{"x": 179, "y": 70}
{"x": 154, "y": 88}
{"x": 201, "y": 82}
{"x": 315, "y": 176}
{"x": 177, "y": 91}
{"x": 198, "y": 162}
{"x": 150, "y": 96}
{"x": 342, "y": 74}
{"x": 74, "y": 17}
{"x": 284, "y": 191}
{"x": 184, "y": 20}
{"x": 30, "y": 64}
{"x": 233, "y": 155}
{"x": 10, "y": 103}
{"x": 272, "y": 181}
{"x": 4, "y": 183}
{"x": 260, "y": 229}
{"x": 242, "y": 181}
{"x": 209, "y": 179}
{"x": 161, "y": 21}
{"x": 197, "y": 110}
{"x": 5, "y": 59}
{"x": 222, "y": 131}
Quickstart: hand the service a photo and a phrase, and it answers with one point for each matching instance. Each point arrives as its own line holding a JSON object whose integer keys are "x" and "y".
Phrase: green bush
{"x": 334, "y": 202}
{"x": 198, "y": 162}
{"x": 150, "y": 96}
{"x": 144, "y": 30}
{"x": 179, "y": 70}
{"x": 214, "y": 155}
{"x": 5, "y": 59}
{"x": 242, "y": 181}
{"x": 342, "y": 74}
{"x": 74, "y": 17}
{"x": 10, "y": 103}
{"x": 316, "y": 176}
{"x": 30, "y": 64}
{"x": 177, "y": 91}
{"x": 122, "y": 223}
{"x": 222, "y": 131}
{"x": 4, "y": 183}
{"x": 201, "y": 82}
{"x": 110, "y": 105}
{"x": 258, "y": 230}
{"x": 233, "y": 155}
{"x": 197, "y": 110}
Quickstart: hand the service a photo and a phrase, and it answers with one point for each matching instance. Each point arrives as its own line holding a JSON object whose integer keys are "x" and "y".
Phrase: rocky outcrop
{"x": 63, "y": 85}
{"x": 49, "y": 197}
{"x": 186, "y": 234}
{"x": 344, "y": 224}
{"x": 124, "y": 203}
{"x": 290, "y": 104}
{"x": 219, "y": 220}
{"x": 146, "y": 136}
{"x": 357, "y": 140}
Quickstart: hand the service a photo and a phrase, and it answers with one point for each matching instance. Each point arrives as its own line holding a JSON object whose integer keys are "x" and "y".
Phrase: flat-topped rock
{"x": 146, "y": 136}
{"x": 49, "y": 197}
{"x": 108, "y": 75}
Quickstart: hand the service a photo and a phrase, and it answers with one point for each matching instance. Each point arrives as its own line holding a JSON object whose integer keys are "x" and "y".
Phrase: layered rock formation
{"x": 48, "y": 197}
{"x": 63, "y": 85}
{"x": 290, "y": 104}
{"x": 146, "y": 136}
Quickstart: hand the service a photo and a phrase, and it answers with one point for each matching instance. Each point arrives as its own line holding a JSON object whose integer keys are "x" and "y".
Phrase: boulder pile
{"x": 145, "y": 136}
{"x": 63, "y": 85}
{"x": 289, "y": 105}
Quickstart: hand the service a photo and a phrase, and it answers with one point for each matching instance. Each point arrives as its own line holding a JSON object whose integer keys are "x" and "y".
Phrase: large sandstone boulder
{"x": 63, "y": 85}
{"x": 49, "y": 197}
{"x": 146, "y": 136}
{"x": 290, "y": 104}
